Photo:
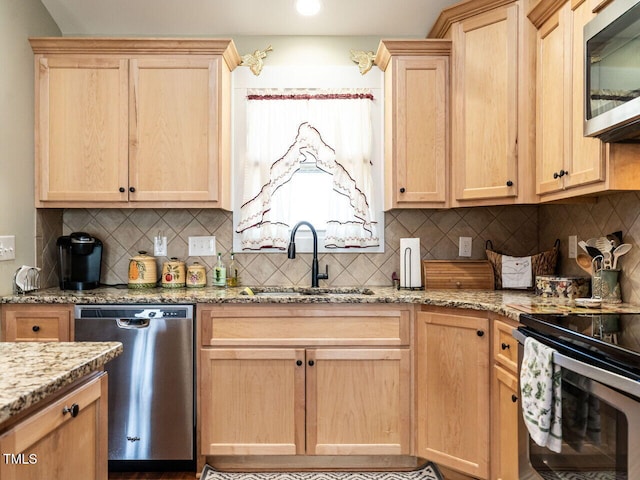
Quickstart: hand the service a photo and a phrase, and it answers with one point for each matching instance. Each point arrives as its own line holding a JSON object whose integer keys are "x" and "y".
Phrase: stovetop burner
{"x": 612, "y": 337}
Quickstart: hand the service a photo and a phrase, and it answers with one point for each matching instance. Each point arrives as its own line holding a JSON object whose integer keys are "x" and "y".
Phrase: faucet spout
{"x": 291, "y": 253}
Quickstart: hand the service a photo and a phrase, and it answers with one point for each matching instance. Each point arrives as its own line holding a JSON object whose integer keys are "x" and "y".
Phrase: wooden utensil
{"x": 584, "y": 262}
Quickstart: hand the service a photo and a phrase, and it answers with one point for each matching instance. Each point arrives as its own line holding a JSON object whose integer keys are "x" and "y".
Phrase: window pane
{"x": 309, "y": 191}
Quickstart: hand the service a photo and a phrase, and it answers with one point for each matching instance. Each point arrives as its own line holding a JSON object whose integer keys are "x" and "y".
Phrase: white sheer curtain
{"x": 286, "y": 129}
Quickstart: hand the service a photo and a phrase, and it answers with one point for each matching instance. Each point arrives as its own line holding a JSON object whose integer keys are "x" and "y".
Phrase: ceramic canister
{"x": 196, "y": 276}
{"x": 143, "y": 271}
{"x": 173, "y": 273}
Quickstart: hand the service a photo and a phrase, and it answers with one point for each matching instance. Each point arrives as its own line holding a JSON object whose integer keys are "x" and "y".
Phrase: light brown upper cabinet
{"x": 565, "y": 158}
{"x": 133, "y": 122}
{"x": 569, "y": 164}
{"x": 493, "y": 103}
{"x": 416, "y": 122}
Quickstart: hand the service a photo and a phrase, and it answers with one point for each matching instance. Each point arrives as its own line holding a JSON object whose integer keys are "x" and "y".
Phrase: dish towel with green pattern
{"x": 541, "y": 393}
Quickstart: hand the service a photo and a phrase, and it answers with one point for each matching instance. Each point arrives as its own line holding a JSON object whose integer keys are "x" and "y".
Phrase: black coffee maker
{"x": 79, "y": 260}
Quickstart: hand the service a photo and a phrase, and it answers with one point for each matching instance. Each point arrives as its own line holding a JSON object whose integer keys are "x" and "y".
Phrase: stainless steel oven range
{"x": 599, "y": 356}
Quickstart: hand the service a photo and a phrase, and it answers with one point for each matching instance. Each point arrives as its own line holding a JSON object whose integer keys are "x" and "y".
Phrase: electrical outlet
{"x": 7, "y": 247}
{"x": 202, "y": 246}
{"x": 160, "y": 246}
{"x": 573, "y": 246}
{"x": 464, "y": 246}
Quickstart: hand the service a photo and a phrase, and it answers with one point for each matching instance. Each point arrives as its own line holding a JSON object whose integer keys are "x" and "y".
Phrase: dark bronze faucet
{"x": 291, "y": 253}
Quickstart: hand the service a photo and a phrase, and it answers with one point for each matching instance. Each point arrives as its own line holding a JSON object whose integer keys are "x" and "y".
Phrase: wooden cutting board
{"x": 457, "y": 274}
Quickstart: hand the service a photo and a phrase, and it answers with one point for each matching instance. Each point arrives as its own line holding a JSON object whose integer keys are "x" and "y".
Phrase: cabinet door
{"x": 174, "y": 129}
{"x": 586, "y": 162}
{"x": 485, "y": 105}
{"x": 52, "y": 443}
{"x": 252, "y": 401}
{"x": 81, "y": 128}
{"x": 506, "y": 410}
{"x": 419, "y": 140}
{"x": 452, "y": 389}
{"x": 358, "y": 402}
{"x": 551, "y": 127}
{"x": 36, "y": 323}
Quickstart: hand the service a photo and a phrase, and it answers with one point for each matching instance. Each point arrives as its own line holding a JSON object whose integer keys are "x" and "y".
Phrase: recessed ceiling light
{"x": 308, "y": 7}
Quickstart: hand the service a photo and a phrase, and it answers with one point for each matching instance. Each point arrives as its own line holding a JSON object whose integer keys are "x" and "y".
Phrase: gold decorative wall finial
{"x": 255, "y": 60}
{"x": 363, "y": 59}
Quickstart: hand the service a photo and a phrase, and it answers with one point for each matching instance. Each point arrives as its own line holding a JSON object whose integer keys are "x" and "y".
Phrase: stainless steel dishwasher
{"x": 151, "y": 385}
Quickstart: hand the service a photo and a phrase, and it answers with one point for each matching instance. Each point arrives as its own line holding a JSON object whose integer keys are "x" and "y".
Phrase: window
{"x": 288, "y": 170}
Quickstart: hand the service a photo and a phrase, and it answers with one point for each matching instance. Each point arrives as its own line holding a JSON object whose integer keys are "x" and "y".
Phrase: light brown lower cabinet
{"x": 506, "y": 408}
{"x": 452, "y": 389}
{"x": 505, "y": 402}
{"x": 252, "y": 401}
{"x": 65, "y": 439}
{"x": 37, "y": 323}
{"x": 332, "y": 386}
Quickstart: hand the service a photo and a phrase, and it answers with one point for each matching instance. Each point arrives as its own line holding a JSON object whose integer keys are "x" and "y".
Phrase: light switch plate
{"x": 202, "y": 246}
{"x": 7, "y": 247}
{"x": 573, "y": 246}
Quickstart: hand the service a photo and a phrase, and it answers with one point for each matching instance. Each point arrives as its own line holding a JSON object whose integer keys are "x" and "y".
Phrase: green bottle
{"x": 232, "y": 273}
{"x": 219, "y": 273}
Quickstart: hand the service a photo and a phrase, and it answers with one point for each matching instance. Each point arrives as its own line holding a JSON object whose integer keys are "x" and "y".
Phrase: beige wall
{"x": 19, "y": 19}
{"x": 311, "y": 50}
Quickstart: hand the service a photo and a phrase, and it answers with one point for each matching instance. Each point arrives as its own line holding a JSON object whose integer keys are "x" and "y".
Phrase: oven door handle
{"x": 598, "y": 374}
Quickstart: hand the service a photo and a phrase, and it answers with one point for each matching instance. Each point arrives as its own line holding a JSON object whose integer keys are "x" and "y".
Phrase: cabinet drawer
{"x": 40, "y": 323}
{"x": 304, "y": 324}
{"x": 67, "y": 438}
{"x": 505, "y": 347}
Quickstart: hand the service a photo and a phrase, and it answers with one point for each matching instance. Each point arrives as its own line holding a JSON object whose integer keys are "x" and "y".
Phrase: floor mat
{"x": 428, "y": 472}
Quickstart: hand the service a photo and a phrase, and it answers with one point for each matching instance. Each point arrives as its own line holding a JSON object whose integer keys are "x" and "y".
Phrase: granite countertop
{"x": 509, "y": 303}
{"x": 31, "y": 371}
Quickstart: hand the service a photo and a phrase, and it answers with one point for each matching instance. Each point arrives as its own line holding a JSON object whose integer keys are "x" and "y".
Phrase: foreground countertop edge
{"x": 496, "y": 301}
{"x": 91, "y": 356}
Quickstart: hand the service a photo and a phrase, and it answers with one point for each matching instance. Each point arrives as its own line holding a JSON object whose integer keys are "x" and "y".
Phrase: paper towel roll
{"x": 410, "y": 274}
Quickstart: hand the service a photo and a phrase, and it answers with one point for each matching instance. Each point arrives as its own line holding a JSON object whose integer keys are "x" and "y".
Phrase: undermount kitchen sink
{"x": 299, "y": 291}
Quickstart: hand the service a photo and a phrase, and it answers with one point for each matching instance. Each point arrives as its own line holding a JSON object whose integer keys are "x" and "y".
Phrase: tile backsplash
{"x": 515, "y": 230}
{"x": 512, "y": 229}
{"x": 598, "y": 217}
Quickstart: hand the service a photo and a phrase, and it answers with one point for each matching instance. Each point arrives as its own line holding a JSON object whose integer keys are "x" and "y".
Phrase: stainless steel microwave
{"x": 612, "y": 73}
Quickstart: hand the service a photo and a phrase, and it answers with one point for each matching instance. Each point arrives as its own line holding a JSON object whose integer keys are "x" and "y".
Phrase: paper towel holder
{"x": 407, "y": 271}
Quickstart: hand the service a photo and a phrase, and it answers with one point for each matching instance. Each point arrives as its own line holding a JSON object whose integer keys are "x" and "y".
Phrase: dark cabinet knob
{"x": 402, "y": 190}
{"x": 514, "y": 398}
{"x": 36, "y": 328}
{"x": 509, "y": 183}
{"x": 132, "y": 189}
{"x": 556, "y": 175}
{"x": 564, "y": 172}
{"x": 480, "y": 333}
{"x": 122, "y": 189}
{"x": 505, "y": 346}
{"x": 73, "y": 410}
{"x": 299, "y": 362}
{"x": 311, "y": 363}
